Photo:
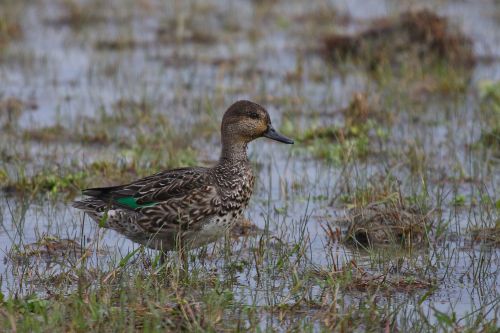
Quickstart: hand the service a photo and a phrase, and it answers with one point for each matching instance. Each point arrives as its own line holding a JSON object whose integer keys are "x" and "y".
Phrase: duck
{"x": 192, "y": 206}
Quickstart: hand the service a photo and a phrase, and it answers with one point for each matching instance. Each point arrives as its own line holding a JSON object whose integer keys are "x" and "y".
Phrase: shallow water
{"x": 59, "y": 67}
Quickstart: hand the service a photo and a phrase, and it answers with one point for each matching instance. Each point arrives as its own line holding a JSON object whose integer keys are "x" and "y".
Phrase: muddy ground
{"x": 382, "y": 217}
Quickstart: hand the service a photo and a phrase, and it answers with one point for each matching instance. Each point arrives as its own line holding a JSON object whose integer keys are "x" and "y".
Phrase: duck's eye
{"x": 254, "y": 115}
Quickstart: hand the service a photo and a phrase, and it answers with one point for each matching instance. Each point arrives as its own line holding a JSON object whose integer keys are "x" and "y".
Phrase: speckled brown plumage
{"x": 195, "y": 205}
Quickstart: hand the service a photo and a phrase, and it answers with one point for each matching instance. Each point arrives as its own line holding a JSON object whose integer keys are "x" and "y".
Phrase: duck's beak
{"x": 273, "y": 135}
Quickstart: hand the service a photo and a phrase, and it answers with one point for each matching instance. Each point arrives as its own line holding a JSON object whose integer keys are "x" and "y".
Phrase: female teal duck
{"x": 188, "y": 206}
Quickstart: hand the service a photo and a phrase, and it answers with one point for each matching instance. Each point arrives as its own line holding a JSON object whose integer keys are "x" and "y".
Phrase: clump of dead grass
{"x": 356, "y": 278}
{"x": 417, "y": 35}
{"x": 491, "y": 139}
{"x": 10, "y": 23}
{"x": 488, "y": 235}
{"x": 245, "y": 228}
{"x": 47, "y": 248}
{"x": 59, "y": 133}
{"x": 118, "y": 44}
{"x": 78, "y": 14}
{"x": 183, "y": 29}
{"x": 141, "y": 316}
{"x": 11, "y": 108}
{"x": 387, "y": 223}
{"x": 197, "y": 36}
{"x": 9, "y": 31}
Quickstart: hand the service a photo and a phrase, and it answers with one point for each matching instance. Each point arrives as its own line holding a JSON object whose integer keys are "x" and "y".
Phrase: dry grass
{"x": 491, "y": 139}
{"x": 387, "y": 223}
{"x": 59, "y": 133}
{"x": 245, "y": 228}
{"x": 11, "y": 109}
{"x": 119, "y": 44}
{"x": 117, "y": 115}
{"x": 423, "y": 34}
{"x": 487, "y": 235}
{"x": 47, "y": 248}
{"x": 10, "y": 25}
{"x": 358, "y": 279}
{"x": 356, "y": 115}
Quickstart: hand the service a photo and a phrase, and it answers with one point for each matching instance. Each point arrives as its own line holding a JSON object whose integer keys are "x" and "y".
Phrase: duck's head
{"x": 245, "y": 121}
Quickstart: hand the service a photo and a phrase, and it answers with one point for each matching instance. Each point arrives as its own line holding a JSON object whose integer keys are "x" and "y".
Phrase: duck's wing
{"x": 154, "y": 189}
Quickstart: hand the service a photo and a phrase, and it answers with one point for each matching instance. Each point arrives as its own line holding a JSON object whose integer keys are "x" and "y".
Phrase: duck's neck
{"x": 234, "y": 151}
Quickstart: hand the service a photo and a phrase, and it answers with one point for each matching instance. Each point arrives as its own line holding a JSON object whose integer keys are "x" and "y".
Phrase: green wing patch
{"x": 131, "y": 202}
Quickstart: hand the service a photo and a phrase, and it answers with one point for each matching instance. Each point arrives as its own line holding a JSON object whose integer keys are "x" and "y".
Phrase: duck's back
{"x": 195, "y": 203}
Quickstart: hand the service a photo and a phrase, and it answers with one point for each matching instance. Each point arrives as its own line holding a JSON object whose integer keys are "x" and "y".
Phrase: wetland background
{"x": 382, "y": 217}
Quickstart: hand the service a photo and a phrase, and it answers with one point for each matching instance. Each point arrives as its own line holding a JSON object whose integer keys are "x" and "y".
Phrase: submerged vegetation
{"x": 383, "y": 216}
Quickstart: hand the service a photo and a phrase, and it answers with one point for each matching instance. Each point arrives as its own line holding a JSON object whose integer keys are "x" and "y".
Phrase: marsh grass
{"x": 388, "y": 223}
{"x": 488, "y": 234}
{"x": 417, "y": 50}
{"x": 10, "y": 26}
{"x": 408, "y": 140}
{"x": 80, "y": 15}
{"x": 420, "y": 33}
{"x": 491, "y": 140}
{"x": 11, "y": 109}
{"x": 147, "y": 140}
{"x": 352, "y": 141}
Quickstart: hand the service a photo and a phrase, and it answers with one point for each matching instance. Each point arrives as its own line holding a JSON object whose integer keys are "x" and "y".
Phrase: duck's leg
{"x": 183, "y": 256}
{"x": 163, "y": 258}
{"x": 181, "y": 250}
